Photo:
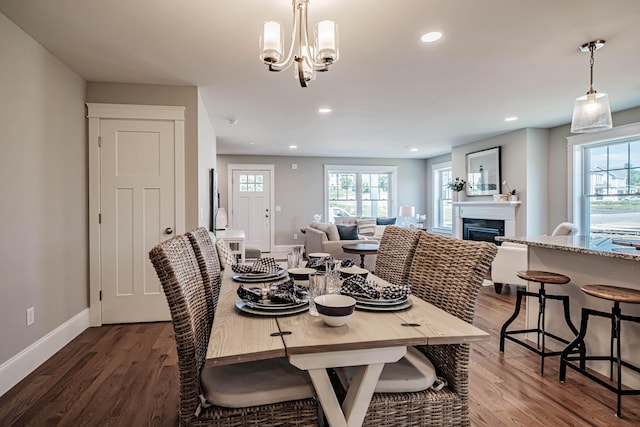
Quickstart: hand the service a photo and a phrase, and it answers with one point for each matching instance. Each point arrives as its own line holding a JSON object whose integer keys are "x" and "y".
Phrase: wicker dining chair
{"x": 209, "y": 263}
{"x": 448, "y": 273}
{"x": 395, "y": 254}
{"x": 177, "y": 268}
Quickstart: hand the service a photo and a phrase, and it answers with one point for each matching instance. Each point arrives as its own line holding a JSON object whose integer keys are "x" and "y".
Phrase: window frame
{"x": 577, "y": 176}
{"x": 358, "y": 170}
{"x": 439, "y": 196}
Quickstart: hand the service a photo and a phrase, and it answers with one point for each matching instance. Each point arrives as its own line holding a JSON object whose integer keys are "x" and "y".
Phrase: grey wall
{"x": 187, "y": 96}
{"x": 300, "y": 192}
{"x": 43, "y": 188}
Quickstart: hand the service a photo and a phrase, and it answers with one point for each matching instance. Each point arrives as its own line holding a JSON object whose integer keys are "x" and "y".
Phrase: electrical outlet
{"x": 295, "y": 236}
{"x": 31, "y": 316}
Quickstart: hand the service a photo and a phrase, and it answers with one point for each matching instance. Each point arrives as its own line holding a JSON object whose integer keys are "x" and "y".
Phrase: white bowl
{"x": 335, "y": 320}
{"x": 335, "y": 309}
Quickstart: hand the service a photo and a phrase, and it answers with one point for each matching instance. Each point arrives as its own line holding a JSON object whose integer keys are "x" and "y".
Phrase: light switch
{"x": 278, "y": 208}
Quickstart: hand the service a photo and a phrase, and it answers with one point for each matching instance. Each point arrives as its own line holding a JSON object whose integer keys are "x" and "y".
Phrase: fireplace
{"x": 503, "y": 212}
{"x": 485, "y": 230}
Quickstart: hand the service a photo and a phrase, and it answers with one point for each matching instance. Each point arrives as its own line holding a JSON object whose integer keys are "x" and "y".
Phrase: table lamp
{"x": 406, "y": 212}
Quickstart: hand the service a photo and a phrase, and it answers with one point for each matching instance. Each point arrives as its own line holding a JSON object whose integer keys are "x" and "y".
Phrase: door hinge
{"x": 99, "y": 218}
{"x": 100, "y": 295}
{"x": 99, "y": 141}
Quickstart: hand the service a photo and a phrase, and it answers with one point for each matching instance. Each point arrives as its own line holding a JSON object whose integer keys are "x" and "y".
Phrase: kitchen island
{"x": 586, "y": 260}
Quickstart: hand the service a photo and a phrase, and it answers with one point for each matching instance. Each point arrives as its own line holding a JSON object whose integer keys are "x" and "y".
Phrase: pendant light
{"x": 591, "y": 112}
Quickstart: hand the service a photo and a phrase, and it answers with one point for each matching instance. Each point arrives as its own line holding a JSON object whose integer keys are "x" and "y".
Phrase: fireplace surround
{"x": 485, "y": 210}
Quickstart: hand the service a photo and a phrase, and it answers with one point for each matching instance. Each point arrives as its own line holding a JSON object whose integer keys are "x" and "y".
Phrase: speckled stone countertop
{"x": 591, "y": 245}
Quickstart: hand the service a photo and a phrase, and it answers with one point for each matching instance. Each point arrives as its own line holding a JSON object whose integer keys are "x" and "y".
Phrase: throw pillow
{"x": 385, "y": 221}
{"x": 225, "y": 254}
{"x": 348, "y": 232}
{"x": 366, "y": 226}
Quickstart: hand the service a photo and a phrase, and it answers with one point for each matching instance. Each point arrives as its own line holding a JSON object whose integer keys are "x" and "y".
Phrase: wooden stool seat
{"x": 543, "y": 277}
{"x": 613, "y": 293}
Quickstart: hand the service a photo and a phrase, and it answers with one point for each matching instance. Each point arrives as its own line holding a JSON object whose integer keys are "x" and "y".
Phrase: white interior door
{"x": 251, "y": 210}
{"x": 137, "y": 212}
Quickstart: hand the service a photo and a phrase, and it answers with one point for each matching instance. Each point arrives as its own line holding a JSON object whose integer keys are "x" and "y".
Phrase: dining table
{"x": 368, "y": 341}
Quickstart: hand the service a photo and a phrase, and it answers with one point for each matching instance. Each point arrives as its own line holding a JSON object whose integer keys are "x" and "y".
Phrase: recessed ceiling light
{"x": 251, "y": 143}
{"x": 413, "y": 150}
{"x": 324, "y": 110}
{"x": 431, "y": 37}
{"x": 293, "y": 147}
{"x": 511, "y": 119}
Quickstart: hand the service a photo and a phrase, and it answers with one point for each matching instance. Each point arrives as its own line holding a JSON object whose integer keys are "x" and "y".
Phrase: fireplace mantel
{"x": 505, "y": 211}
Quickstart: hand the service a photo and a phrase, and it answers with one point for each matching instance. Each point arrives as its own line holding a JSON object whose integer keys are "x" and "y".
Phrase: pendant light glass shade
{"x": 591, "y": 113}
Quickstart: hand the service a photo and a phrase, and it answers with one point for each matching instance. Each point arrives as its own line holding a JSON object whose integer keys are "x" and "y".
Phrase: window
{"x": 251, "y": 183}
{"x": 606, "y": 185}
{"x": 365, "y": 191}
{"x": 442, "y": 208}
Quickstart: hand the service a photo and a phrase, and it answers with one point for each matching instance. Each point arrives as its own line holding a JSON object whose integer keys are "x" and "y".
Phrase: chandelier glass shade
{"x": 591, "y": 112}
{"x": 308, "y": 57}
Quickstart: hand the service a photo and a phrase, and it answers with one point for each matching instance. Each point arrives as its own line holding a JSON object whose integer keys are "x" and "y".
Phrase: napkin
{"x": 357, "y": 286}
{"x": 318, "y": 263}
{"x": 251, "y": 294}
{"x": 262, "y": 265}
{"x": 347, "y": 263}
{"x": 287, "y": 292}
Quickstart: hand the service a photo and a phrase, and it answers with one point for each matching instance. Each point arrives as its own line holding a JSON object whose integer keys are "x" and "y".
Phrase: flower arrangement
{"x": 509, "y": 190}
{"x": 457, "y": 184}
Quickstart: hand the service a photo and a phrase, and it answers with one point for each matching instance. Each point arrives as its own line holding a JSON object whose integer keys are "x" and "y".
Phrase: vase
{"x": 455, "y": 196}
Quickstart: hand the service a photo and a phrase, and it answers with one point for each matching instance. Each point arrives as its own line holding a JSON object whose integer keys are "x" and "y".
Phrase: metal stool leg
{"x": 541, "y": 312}
{"x": 511, "y": 319}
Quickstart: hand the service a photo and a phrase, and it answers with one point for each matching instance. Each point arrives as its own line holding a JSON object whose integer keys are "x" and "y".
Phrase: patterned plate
{"x": 381, "y": 302}
{"x": 252, "y": 278}
{"x": 242, "y": 306}
{"x": 266, "y": 304}
{"x": 394, "y": 307}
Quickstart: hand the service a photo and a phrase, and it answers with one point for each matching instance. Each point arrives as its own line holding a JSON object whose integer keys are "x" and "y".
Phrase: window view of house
{"x": 612, "y": 188}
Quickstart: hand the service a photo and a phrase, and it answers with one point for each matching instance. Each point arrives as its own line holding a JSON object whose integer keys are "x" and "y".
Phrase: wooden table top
{"x": 238, "y": 337}
{"x": 366, "y": 248}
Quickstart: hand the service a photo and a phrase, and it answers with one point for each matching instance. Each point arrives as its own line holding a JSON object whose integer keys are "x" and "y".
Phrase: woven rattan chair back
{"x": 209, "y": 264}
{"x": 177, "y": 267}
{"x": 395, "y": 254}
{"x": 449, "y": 272}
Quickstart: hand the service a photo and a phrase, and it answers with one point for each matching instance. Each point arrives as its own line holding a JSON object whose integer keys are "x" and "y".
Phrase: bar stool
{"x": 617, "y": 295}
{"x": 541, "y": 277}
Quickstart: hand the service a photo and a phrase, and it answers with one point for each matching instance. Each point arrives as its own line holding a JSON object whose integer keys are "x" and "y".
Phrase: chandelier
{"x": 308, "y": 59}
{"x": 591, "y": 112}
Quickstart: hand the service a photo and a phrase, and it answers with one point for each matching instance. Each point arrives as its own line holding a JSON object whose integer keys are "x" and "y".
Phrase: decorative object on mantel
{"x": 483, "y": 172}
{"x": 513, "y": 195}
{"x": 501, "y": 197}
{"x": 309, "y": 55}
{"x": 591, "y": 112}
{"x": 457, "y": 185}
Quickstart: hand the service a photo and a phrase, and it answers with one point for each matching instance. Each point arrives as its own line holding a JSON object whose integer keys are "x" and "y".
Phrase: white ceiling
{"x": 388, "y": 91}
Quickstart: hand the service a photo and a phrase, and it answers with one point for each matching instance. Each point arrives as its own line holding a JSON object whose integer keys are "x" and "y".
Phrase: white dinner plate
{"x": 243, "y": 306}
{"x": 318, "y": 255}
{"x": 396, "y": 307}
{"x": 301, "y": 273}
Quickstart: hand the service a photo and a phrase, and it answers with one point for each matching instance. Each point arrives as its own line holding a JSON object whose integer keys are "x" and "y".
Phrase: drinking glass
{"x": 317, "y": 287}
{"x": 292, "y": 261}
{"x": 333, "y": 276}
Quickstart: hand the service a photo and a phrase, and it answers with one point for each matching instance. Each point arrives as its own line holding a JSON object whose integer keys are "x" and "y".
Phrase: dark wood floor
{"x": 126, "y": 375}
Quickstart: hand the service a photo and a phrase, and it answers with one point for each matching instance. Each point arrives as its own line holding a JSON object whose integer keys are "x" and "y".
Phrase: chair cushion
{"x": 348, "y": 232}
{"x": 366, "y": 226}
{"x": 414, "y": 372}
{"x": 385, "y": 221}
{"x": 263, "y": 382}
{"x": 329, "y": 229}
{"x": 225, "y": 254}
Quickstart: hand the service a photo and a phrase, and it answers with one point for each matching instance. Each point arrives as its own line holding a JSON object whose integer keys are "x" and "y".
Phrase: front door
{"x": 251, "y": 207}
{"x": 137, "y": 201}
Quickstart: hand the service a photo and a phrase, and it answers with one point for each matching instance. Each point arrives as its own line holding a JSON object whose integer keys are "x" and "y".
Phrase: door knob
{"x": 168, "y": 230}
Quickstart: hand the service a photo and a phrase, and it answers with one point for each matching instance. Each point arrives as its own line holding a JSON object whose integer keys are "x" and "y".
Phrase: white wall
{"x": 206, "y": 161}
{"x": 43, "y": 191}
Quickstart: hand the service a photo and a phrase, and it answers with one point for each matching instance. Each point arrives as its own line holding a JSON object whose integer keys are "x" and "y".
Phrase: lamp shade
{"x": 407, "y": 211}
{"x": 591, "y": 113}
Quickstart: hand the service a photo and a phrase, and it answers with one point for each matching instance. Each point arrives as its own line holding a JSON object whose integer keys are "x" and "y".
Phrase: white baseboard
{"x": 22, "y": 364}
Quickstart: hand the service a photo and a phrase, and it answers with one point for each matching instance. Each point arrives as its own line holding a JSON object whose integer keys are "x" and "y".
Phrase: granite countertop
{"x": 592, "y": 245}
